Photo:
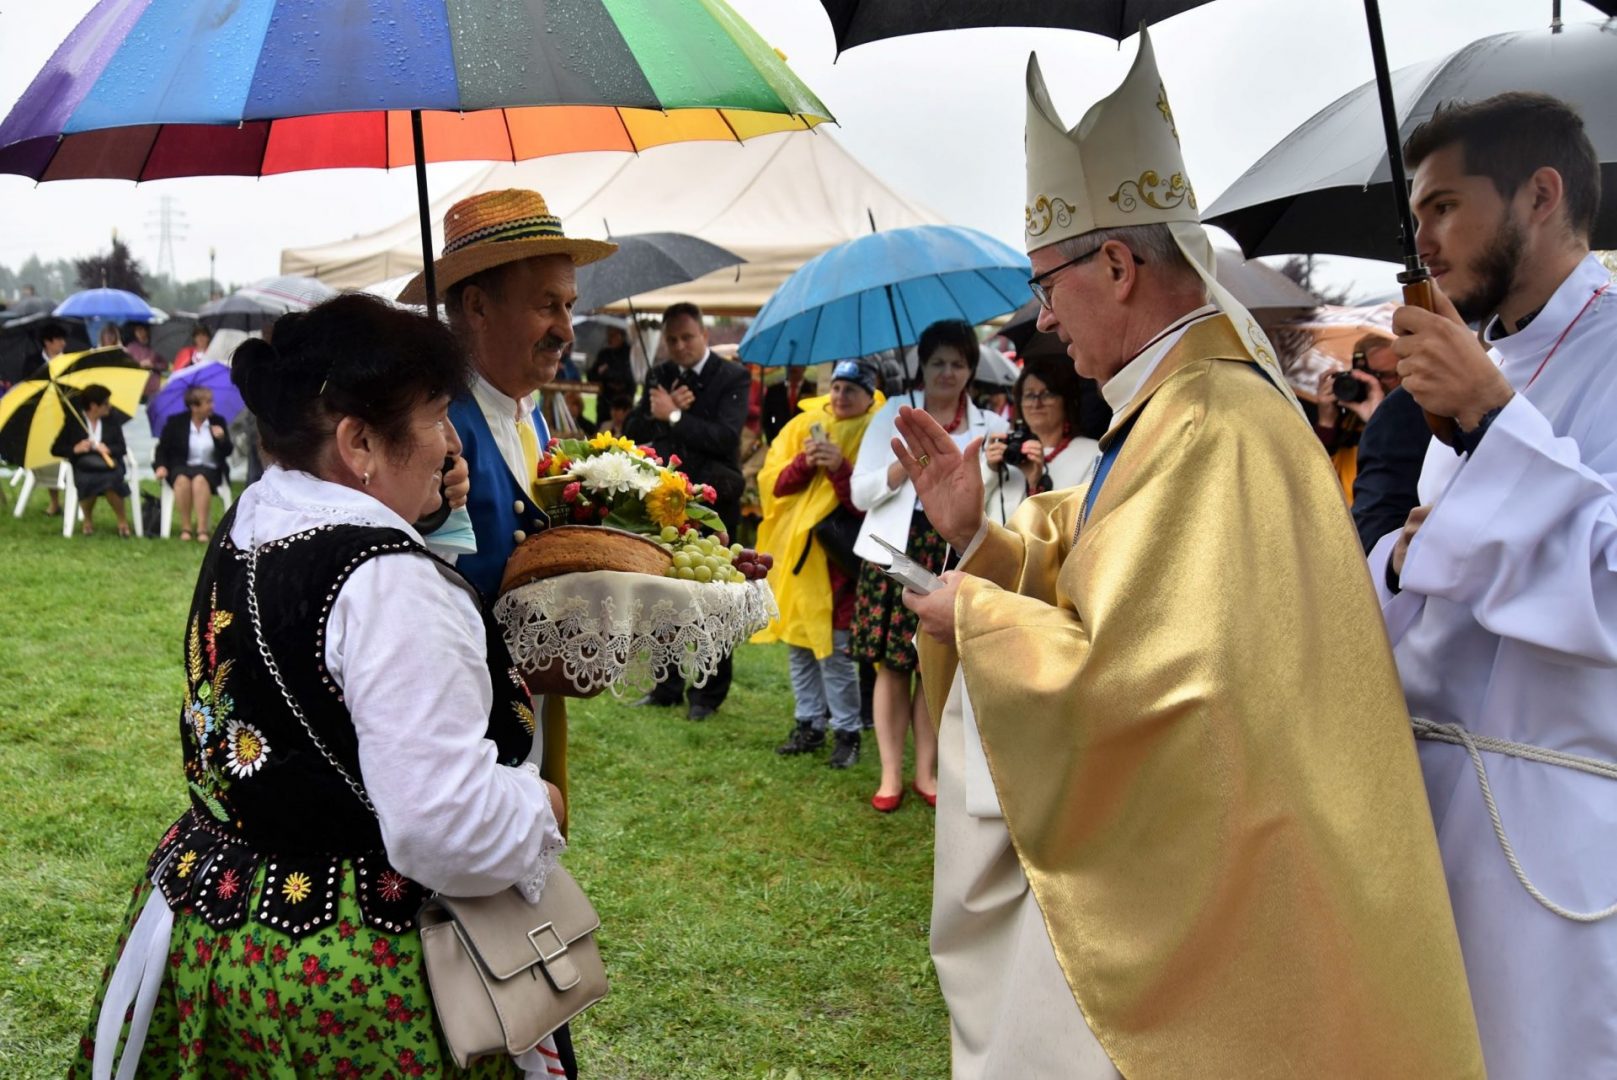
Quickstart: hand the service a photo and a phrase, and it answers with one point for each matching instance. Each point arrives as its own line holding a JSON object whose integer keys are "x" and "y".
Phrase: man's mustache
{"x": 550, "y": 343}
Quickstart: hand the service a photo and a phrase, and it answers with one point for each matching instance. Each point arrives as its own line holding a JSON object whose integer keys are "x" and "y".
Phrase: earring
{"x": 366, "y": 479}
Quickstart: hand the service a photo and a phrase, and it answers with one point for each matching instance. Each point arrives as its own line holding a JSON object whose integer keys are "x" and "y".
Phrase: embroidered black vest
{"x": 262, "y": 792}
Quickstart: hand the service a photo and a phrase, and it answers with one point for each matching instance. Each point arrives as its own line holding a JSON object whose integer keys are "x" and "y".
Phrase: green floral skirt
{"x": 346, "y": 1001}
{"x": 883, "y": 628}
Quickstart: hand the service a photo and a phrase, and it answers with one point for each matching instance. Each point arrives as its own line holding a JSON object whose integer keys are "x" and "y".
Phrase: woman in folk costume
{"x": 804, "y": 481}
{"x": 353, "y": 737}
{"x": 1182, "y": 736}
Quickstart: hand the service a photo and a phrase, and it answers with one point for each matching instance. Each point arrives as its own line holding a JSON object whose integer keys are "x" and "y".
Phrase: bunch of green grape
{"x": 704, "y": 558}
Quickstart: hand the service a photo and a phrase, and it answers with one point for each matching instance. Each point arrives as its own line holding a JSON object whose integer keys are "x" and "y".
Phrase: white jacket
{"x": 1070, "y": 468}
{"x": 888, "y": 510}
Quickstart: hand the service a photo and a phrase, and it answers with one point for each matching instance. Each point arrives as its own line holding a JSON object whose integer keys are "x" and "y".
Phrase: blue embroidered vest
{"x": 502, "y": 510}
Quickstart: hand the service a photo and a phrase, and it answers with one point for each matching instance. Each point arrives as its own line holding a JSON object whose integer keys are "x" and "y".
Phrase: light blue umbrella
{"x": 880, "y": 291}
{"x": 108, "y": 305}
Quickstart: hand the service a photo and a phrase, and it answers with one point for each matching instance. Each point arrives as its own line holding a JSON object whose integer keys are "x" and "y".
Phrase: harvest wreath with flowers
{"x": 610, "y": 481}
{"x": 677, "y": 597}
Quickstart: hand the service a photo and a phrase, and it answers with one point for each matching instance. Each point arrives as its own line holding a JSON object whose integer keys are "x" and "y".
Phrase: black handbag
{"x": 837, "y": 532}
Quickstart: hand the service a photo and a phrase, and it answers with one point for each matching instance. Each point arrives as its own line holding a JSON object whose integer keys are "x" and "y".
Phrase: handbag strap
{"x": 286, "y": 694}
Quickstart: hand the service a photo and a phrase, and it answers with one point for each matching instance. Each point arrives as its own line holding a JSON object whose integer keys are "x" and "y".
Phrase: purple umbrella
{"x": 212, "y": 375}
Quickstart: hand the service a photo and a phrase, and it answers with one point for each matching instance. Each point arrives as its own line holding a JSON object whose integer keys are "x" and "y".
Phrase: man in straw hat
{"x": 507, "y": 281}
{"x": 1177, "y": 692}
{"x": 506, "y": 278}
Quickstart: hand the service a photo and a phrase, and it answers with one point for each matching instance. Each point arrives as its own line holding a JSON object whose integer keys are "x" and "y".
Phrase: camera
{"x": 1014, "y": 439}
{"x": 1348, "y": 389}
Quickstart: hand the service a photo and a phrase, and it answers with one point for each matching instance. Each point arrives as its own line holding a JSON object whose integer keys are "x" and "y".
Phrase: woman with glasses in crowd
{"x": 1058, "y": 418}
{"x": 883, "y": 628}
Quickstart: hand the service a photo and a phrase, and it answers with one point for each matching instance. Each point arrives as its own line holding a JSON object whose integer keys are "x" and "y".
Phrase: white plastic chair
{"x": 23, "y": 478}
{"x": 72, "y": 514}
{"x": 166, "y": 503}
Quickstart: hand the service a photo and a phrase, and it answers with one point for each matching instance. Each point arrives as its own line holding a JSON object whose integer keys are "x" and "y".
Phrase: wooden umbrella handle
{"x": 1418, "y": 293}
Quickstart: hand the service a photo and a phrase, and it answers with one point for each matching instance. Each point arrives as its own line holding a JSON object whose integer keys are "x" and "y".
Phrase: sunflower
{"x": 665, "y": 504}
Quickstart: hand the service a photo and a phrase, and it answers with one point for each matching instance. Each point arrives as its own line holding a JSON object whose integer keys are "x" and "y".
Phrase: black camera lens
{"x": 1014, "y": 439}
{"x": 1348, "y": 389}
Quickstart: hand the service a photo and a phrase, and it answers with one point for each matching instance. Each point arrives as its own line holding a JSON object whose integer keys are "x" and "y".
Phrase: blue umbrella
{"x": 211, "y": 375}
{"x": 880, "y": 291}
{"x": 110, "y": 305}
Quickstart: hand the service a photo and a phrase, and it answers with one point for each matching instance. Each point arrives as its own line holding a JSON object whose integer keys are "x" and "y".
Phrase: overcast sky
{"x": 938, "y": 116}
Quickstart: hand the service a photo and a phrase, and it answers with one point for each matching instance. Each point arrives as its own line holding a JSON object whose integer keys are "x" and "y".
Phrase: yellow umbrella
{"x": 32, "y": 412}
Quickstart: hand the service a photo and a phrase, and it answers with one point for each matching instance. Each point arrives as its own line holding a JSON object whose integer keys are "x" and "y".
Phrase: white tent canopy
{"x": 777, "y": 201}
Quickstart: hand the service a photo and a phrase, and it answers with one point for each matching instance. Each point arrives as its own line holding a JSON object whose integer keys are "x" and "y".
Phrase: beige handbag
{"x": 505, "y": 973}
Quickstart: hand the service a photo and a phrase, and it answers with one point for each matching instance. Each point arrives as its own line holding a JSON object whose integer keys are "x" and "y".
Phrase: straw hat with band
{"x": 496, "y": 227}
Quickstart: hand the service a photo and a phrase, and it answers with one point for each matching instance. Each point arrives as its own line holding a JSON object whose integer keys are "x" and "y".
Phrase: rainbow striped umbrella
{"x": 151, "y": 89}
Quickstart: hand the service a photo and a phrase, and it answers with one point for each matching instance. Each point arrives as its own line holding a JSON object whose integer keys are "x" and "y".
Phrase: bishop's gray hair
{"x": 1153, "y": 244}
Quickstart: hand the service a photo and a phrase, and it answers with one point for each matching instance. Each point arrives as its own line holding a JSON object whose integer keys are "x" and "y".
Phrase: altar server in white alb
{"x": 1501, "y": 591}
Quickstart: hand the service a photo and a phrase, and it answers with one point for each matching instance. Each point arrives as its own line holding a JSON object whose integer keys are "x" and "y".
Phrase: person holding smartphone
{"x": 809, "y": 525}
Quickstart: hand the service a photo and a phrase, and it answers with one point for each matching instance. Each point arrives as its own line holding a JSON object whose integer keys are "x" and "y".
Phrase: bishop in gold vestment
{"x": 1186, "y": 701}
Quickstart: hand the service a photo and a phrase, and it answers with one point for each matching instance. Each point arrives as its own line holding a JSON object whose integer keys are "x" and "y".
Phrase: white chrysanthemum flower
{"x": 247, "y": 748}
{"x": 613, "y": 474}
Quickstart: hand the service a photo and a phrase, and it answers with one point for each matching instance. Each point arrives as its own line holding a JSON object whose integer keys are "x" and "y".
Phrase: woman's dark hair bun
{"x": 353, "y": 355}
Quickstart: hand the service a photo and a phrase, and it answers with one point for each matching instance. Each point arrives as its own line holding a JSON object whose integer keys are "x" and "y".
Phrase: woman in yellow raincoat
{"x": 804, "y": 483}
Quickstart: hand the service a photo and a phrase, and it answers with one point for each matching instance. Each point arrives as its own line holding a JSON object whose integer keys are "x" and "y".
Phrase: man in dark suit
{"x": 1391, "y": 451}
{"x": 694, "y": 407}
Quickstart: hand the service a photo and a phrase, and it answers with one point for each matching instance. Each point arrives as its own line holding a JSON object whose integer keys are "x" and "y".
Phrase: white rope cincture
{"x": 1456, "y": 735}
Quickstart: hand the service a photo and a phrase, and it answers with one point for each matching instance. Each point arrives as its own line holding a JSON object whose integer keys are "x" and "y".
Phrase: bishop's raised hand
{"x": 948, "y": 481}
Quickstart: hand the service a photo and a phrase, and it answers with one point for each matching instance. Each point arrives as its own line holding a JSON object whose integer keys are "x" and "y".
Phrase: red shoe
{"x": 931, "y": 800}
{"x": 886, "y": 804}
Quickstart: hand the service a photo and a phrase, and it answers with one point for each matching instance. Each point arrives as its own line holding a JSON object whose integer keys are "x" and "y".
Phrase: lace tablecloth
{"x": 625, "y": 632}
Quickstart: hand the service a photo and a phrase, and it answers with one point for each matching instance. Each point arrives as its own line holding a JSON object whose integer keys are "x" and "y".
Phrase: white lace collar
{"x": 286, "y": 501}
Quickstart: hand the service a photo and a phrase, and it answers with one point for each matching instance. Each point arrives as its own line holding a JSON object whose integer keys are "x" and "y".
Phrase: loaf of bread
{"x": 573, "y": 549}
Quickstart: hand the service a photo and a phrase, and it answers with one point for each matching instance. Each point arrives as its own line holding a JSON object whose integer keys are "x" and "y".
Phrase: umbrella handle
{"x": 1418, "y": 293}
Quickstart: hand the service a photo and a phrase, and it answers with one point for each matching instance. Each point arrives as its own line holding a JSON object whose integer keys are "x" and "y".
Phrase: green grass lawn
{"x": 759, "y": 919}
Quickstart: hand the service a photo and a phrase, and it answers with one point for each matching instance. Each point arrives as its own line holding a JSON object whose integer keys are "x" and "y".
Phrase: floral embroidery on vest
{"x": 222, "y": 742}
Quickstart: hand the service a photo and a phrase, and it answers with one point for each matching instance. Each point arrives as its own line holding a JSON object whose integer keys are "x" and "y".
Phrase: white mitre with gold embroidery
{"x": 1122, "y": 166}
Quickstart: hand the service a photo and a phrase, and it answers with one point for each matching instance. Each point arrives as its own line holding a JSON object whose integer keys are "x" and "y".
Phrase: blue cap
{"x": 855, "y": 372}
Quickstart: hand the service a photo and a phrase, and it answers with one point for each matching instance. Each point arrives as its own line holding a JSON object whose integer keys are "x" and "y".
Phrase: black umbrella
{"x": 237, "y": 312}
{"x": 645, "y": 262}
{"x": 857, "y": 22}
{"x": 1324, "y": 187}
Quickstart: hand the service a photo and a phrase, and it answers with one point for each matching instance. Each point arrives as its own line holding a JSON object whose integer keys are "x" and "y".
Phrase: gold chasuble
{"x": 1200, "y": 744}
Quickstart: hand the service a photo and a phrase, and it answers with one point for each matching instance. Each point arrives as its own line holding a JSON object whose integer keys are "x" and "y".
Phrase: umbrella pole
{"x": 427, "y": 275}
{"x": 634, "y": 321}
{"x": 1415, "y": 278}
{"x": 67, "y": 403}
{"x": 898, "y": 346}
